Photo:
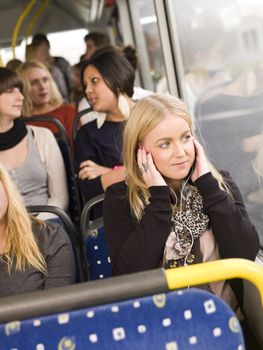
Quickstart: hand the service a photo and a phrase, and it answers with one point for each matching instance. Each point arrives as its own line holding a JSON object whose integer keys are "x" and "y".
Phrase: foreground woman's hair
{"x": 20, "y": 247}
{"x": 145, "y": 115}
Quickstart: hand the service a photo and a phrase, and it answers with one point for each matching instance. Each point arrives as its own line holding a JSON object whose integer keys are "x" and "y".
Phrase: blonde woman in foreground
{"x": 34, "y": 255}
{"x": 174, "y": 208}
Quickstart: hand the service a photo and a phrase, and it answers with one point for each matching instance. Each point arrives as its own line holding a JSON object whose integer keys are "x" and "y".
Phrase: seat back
{"x": 135, "y": 311}
{"x": 93, "y": 239}
{"x": 76, "y": 121}
{"x": 75, "y": 205}
{"x": 172, "y": 321}
{"x": 72, "y": 232}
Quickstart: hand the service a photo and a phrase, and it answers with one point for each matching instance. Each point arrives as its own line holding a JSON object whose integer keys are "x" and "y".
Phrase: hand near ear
{"x": 201, "y": 163}
{"x": 149, "y": 173}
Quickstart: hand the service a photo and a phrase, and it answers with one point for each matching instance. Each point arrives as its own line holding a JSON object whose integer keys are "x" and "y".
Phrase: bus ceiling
{"x": 21, "y": 18}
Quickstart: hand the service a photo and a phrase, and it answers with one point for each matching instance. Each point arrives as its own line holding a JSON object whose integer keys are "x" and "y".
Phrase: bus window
{"x": 148, "y": 45}
{"x": 68, "y": 44}
{"x": 221, "y": 51}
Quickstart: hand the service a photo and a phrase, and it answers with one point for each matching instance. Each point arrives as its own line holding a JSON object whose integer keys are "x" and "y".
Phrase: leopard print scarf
{"x": 187, "y": 225}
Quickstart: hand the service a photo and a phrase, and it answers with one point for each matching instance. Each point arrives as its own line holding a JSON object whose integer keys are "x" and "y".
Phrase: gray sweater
{"x": 57, "y": 250}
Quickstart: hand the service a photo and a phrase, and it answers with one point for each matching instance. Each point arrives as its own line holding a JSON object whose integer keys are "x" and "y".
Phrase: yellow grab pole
{"x": 35, "y": 18}
{"x": 18, "y": 24}
{"x": 1, "y": 62}
{"x": 213, "y": 271}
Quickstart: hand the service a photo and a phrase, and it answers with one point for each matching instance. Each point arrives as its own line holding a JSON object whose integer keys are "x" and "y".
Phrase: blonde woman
{"x": 40, "y": 52}
{"x": 43, "y": 98}
{"x": 174, "y": 208}
{"x": 34, "y": 255}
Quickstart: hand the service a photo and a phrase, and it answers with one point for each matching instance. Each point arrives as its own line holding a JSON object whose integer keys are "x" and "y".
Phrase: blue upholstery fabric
{"x": 99, "y": 264}
{"x": 179, "y": 320}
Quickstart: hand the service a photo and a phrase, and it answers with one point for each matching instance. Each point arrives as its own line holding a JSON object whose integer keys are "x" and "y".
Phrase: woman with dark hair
{"x": 108, "y": 80}
{"x": 94, "y": 41}
{"x": 29, "y": 153}
{"x": 130, "y": 53}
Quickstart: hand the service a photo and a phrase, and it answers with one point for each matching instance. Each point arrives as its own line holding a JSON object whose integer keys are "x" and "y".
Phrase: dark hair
{"x": 115, "y": 70}
{"x": 99, "y": 39}
{"x": 40, "y": 38}
{"x": 14, "y": 64}
{"x": 130, "y": 53}
{"x": 9, "y": 79}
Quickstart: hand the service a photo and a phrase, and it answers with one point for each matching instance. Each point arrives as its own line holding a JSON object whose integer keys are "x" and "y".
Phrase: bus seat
{"x": 77, "y": 121}
{"x": 75, "y": 205}
{"x": 253, "y": 310}
{"x": 135, "y": 311}
{"x": 70, "y": 229}
{"x": 176, "y": 320}
{"x": 93, "y": 239}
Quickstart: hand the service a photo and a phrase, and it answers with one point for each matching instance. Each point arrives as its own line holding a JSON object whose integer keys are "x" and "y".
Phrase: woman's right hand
{"x": 90, "y": 170}
{"x": 149, "y": 173}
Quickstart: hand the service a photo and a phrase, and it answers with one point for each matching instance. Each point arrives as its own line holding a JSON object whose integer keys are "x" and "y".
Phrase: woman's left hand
{"x": 90, "y": 170}
{"x": 201, "y": 165}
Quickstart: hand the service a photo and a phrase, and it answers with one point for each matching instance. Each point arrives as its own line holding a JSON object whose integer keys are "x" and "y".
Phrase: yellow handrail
{"x": 38, "y": 13}
{"x": 216, "y": 271}
{"x": 18, "y": 24}
{"x": 1, "y": 62}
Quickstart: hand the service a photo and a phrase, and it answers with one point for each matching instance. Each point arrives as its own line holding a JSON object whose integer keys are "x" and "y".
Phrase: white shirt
{"x": 101, "y": 117}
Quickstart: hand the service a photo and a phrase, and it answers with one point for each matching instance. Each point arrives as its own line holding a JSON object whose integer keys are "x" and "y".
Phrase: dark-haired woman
{"x": 30, "y": 154}
{"x": 108, "y": 80}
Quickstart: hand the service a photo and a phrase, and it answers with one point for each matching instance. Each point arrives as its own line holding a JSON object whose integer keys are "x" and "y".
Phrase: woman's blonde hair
{"x": 20, "y": 246}
{"x": 145, "y": 115}
{"x": 55, "y": 96}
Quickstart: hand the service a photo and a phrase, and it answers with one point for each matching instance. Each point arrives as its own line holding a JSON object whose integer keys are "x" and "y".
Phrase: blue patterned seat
{"x": 97, "y": 256}
{"x": 177, "y": 320}
{"x": 99, "y": 264}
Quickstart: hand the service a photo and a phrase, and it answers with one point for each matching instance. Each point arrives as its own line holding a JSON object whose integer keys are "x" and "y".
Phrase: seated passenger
{"x": 108, "y": 80}
{"x": 174, "y": 208}
{"x": 130, "y": 53}
{"x": 77, "y": 94}
{"x": 40, "y": 52}
{"x": 14, "y": 64}
{"x": 29, "y": 153}
{"x": 55, "y": 61}
{"x": 34, "y": 255}
{"x": 43, "y": 98}
{"x": 94, "y": 41}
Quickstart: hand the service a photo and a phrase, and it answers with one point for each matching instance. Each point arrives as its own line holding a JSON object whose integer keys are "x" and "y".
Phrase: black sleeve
{"x": 59, "y": 257}
{"x": 136, "y": 246}
{"x": 235, "y": 235}
{"x": 85, "y": 151}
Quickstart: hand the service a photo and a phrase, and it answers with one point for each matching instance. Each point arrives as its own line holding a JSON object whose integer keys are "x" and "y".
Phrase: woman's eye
{"x": 94, "y": 81}
{"x": 164, "y": 144}
{"x": 187, "y": 138}
{"x": 9, "y": 91}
